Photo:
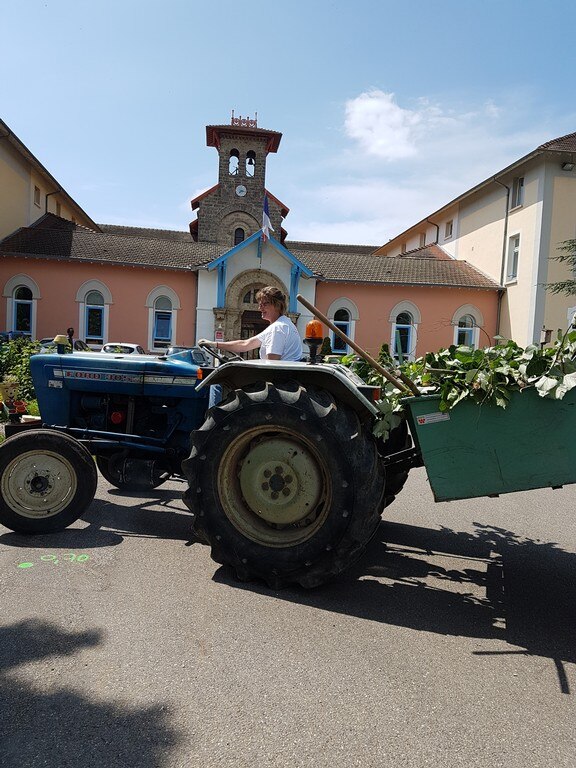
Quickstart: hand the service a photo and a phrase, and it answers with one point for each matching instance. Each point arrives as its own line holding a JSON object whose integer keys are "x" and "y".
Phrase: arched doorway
{"x": 251, "y": 321}
{"x": 251, "y": 324}
{"x": 241, "y": 318}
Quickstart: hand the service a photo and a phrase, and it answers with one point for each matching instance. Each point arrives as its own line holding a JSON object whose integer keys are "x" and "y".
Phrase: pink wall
{"x": 57, "y": 309}
{"x": 128, "y": 320}
{"x": 436, "y": 305}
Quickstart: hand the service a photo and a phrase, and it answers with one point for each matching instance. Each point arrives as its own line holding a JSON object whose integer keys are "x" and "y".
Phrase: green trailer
{"x": 483, "y": 450}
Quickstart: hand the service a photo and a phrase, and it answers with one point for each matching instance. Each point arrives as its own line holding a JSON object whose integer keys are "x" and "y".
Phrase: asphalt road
{"x": 453, "y": 643}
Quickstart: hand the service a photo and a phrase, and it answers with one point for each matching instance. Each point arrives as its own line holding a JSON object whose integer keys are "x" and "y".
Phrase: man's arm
{"x": 240, "y": 345}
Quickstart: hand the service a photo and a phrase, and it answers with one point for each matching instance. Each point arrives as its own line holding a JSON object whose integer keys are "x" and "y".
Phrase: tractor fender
{"x": 341, "y": 382}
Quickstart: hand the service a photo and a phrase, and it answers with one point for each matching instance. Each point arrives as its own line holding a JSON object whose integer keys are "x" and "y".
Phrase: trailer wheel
{"x": 285, "y": 484}
{"x": 47, "y": 480}
{"x": 128, "y": 474}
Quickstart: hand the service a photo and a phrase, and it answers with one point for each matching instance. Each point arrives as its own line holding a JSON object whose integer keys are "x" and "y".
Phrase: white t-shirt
{"x": 280, "y": 338}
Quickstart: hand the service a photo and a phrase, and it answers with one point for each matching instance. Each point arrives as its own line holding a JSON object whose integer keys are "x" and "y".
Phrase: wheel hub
{"x": 38, "y": 484}
{"x": 280, "y": 481}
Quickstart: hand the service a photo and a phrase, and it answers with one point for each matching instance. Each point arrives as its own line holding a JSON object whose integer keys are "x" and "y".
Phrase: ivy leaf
{"x": 536, "y": 366}
{"x": 569, "y": 381}
{"x": 545, "y": 385}
{"x": 471, "y": 375}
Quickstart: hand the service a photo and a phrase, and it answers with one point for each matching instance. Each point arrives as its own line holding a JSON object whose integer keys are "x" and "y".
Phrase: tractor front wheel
{"x": 285, "y": 484}
{"x": 47, "y": 480}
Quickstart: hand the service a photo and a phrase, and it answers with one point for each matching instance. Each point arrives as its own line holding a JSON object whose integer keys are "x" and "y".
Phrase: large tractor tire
{"x": 285, "y": 484}
{"x": 129, "y": 474}
{"x": 47, "y": 480}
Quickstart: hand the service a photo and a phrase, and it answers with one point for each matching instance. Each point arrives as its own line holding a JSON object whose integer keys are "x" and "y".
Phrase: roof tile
{"x": 84, "y": 245}
{"x": 166, "y": 249}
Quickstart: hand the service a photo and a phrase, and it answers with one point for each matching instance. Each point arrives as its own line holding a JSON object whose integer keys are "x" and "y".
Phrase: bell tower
{"x": 232, "y": 210}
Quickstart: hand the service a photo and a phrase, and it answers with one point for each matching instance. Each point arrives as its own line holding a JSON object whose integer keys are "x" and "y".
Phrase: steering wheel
{"x": 220, "y": 354}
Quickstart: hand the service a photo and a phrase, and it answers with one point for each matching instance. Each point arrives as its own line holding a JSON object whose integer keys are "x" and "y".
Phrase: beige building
{"x": 28, "y": 190}
{"x": 510, "y": 227}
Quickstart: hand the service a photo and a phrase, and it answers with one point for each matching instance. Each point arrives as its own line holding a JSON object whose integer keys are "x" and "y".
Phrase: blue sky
{"x": 388, "y": 109}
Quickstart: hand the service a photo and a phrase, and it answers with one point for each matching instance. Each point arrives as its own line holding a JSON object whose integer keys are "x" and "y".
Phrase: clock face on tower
{"x": 241, "y": 190}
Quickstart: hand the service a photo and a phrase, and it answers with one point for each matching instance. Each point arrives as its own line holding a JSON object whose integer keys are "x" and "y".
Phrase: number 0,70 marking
{"x": 69, "y": 557}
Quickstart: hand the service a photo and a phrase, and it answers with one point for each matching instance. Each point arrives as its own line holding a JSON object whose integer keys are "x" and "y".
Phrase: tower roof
{"x": 242, "y": 126}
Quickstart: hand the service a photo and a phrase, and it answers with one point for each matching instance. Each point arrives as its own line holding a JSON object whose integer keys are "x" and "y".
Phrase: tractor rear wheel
{"x": 47, "y": 480}
{"x": 285, "y": 484}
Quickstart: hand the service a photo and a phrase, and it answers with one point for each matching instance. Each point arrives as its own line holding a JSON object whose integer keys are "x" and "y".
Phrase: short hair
{"x": 274, "y": 296}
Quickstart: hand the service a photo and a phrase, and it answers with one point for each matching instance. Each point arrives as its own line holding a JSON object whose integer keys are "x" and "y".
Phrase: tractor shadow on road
{"x": 491, "y": 584}
{"x": 163, "y": 517}
{"x": 110, "y": 522}
{"x": 59, "y": 725}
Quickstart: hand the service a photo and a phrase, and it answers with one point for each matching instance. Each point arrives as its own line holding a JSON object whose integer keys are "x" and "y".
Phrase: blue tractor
{"x": 285, "y": 479}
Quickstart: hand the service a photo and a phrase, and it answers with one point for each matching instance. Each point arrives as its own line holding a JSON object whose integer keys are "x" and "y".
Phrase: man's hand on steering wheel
{"x": 220, "y": 354}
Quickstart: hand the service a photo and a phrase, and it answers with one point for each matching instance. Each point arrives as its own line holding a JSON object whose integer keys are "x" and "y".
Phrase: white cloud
{"x": 402, "y": 165}
{"x": 380, "y": 126}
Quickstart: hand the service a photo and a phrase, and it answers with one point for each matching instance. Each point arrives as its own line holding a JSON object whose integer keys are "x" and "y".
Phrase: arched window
{"x": 162, "y": 323}
{"x": 344, "y": 313}
{"x": 467, "y": 321}
{"x": 94, "y": 301}
{"x": 403, "y": 335}
{"x": 94, "y": 318}
{"x": 239, "y": 235}
{"x": 23, "y": 306}
{"x": 21, "y": 293}
{"x": 250, "y": 162}
{"x": 233, "y": 162}
{"x": 404, "y": 320}
{"x": 465, "y": 331}
{"x": 163, "y": 304}
{"x": 342, "y": 322}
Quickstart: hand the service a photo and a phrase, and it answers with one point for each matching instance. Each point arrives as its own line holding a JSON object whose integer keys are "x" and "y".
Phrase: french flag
{"x": 266, "y": 224}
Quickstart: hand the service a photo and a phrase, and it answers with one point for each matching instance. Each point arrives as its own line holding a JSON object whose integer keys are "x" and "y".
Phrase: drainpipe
{"x": 437, "y": 230}
{"x": 503, "y": 260}
{"x": 48, "y": 195}
{"x": 195, "y": 328}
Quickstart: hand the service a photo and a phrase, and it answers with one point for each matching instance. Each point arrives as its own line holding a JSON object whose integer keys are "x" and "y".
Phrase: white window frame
{"x": 155, "y": 293}
{"x": 162, "y": 343}
{"x": 354, "y": 315}
{"x": 9, "y": 289}
{"x": 344, "y": 326}
{"x": 513, "y": 258}
{"x": 37, "y": 198}
{"x": 93, "y": 339}
{"x": 81, "y": 293}
{"x": 414, "y": 312}
{"x": 448, "y": 229}
{"x": 517, "y": 192}
{"x": 476, "y": 315}
{"x": 27, "y": 302}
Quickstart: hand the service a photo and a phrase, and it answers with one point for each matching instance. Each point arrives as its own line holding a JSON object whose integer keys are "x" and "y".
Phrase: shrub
{"x": 15, "y": 361}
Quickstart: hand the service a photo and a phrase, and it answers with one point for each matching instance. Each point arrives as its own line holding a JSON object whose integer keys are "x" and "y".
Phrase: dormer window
{"x": 250, "y": 162}
{"x": 234, "y": 162}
